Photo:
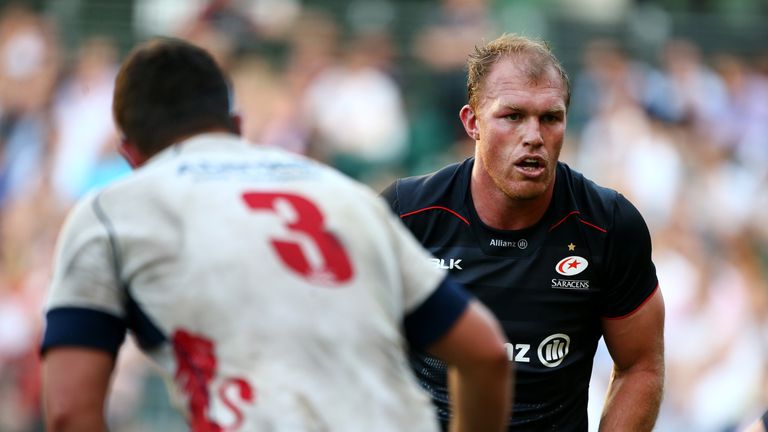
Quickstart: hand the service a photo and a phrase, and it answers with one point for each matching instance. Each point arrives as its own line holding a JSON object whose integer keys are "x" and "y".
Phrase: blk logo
{"x": 553, "y": 349}
{"x": 571, "y": 265}
{"x": 449, "y": 264}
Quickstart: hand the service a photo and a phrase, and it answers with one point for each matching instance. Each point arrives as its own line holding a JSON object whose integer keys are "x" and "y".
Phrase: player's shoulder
{"x": 441, "y": 187}
{"x": 83, "y": 212}
{"x": 603, "y": 204}
{"x": 130, "y": 191}
{"x": 584, "y": 189}
{"x": 321, "y": 181}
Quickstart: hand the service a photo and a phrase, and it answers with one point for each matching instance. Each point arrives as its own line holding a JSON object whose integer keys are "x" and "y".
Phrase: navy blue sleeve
{"x": 436, "y": 315}
{"x": 390, "y": 196}
{"x": 765, "y": 420}
{"x": 75, "y": 326}
{"x": 631, "y": 275}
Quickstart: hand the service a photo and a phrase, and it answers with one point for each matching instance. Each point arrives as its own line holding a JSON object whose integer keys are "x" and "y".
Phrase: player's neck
{"x": 499, "y": 211}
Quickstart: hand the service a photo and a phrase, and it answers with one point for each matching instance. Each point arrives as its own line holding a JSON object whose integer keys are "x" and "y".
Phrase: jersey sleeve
{"x": 631, "y": 275}
{"x": 390, "y": 196}
{"x": 85, "y": 302}
{"x": 434, "y": 316}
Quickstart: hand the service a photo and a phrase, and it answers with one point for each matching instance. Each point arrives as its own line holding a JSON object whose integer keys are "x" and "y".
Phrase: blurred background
{"x": 670, "y": 106}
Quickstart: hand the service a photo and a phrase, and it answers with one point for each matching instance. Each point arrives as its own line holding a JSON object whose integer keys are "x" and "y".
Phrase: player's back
{"x": 268, "y": 286}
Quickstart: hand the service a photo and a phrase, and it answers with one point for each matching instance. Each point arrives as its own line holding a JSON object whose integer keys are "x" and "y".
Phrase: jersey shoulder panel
{"x": 594, "y": 203}
{"x": 84, "y": 273}
{"x": 443, "y": 188}
{"x": 606, "y": 207}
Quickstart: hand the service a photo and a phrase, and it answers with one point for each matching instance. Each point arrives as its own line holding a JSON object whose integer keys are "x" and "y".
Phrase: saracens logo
{"x": 572, "y": 265}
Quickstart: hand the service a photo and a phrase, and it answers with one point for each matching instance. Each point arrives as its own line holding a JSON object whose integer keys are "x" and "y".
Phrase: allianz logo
{"x": 447, "y": 264}
{"x": 551, "y": 351}
{"x": 520, "y": 244}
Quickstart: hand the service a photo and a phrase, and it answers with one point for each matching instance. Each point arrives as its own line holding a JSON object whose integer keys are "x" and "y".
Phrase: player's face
{"x": 518, "y": 128}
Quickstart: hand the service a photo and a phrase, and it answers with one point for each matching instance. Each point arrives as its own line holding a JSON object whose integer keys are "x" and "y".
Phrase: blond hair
{"x": 533, "y": 56}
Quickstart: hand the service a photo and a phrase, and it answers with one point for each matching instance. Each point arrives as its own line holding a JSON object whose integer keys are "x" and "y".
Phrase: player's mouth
{"x": 531, "y": 166}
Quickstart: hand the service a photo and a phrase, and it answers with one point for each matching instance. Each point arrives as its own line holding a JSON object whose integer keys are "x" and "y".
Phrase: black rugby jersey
{"x": 549, "y": 285}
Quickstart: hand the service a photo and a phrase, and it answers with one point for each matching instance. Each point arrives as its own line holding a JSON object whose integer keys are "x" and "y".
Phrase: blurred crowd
{"x": 684, "y": 137}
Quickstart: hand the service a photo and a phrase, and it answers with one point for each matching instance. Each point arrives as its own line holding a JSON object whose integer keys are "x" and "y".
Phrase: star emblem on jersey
{"x": 572, "y": 265}
{"x": 571, "y": 247}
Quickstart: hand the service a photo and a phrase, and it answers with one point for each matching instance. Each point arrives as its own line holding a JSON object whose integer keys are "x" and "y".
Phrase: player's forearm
{"x": 74, "y": 422}
{"x": 481, "y": 398}
{"x": 75, "y": 385}
{"x": 633, "y": 399}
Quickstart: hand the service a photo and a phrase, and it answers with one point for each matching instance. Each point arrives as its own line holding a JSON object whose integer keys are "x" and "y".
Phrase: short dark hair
{"x": 534, "y": 57}
{"x": 168, "y": 89}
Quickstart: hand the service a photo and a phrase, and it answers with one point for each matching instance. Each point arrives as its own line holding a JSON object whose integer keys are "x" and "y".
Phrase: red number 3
{"x": 322, "y": 260}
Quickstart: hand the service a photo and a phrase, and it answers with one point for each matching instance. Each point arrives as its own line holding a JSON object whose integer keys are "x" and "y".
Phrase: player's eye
{"x": 514, "y": 116}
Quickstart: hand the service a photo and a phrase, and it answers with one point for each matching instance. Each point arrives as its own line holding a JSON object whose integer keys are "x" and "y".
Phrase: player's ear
{"x": 469, "y": 120}
{"x": 237, "y": 122}
{"x": 131, "y": 153}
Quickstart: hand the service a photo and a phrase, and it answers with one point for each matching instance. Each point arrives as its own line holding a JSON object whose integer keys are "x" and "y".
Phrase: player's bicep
{"x": 637, "y": 340}
{"x": 75, "y": 385}
{"x": 630, "y": 272}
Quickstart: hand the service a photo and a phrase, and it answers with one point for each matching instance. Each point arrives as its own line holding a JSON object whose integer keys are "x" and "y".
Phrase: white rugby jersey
{"x": 272, "y": 290}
